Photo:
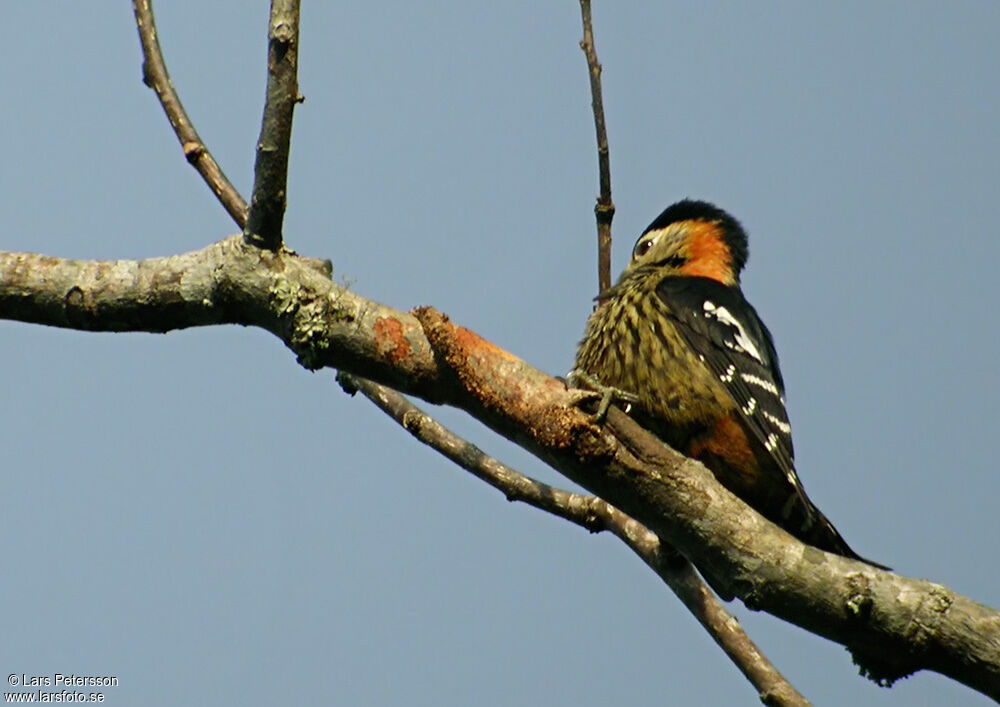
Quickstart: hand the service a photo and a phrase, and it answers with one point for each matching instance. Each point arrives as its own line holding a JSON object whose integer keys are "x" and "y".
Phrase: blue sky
{"x": 202, "y": 518}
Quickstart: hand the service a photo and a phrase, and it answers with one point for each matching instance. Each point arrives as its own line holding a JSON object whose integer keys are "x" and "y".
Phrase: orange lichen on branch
{"x": 472, "y": 344}
{"x": 482, "y": 368}
{"x": 390, "y": 341}
{"x": 505, "y": 385}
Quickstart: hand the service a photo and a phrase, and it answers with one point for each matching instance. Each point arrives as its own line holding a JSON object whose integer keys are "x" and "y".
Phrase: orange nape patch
{"x": 707, "y": 253}
{"x": 725, "y": 449}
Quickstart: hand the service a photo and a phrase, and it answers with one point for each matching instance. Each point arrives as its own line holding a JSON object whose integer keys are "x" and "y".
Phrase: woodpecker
{"x": 677, "y": 337}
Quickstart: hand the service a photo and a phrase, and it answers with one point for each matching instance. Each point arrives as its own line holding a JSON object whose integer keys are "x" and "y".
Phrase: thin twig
{"x": 154, "y": 75}
{"x": 604, "y": 210}
{"x": 270, "y": 174}
{"x": 595, "y": 515}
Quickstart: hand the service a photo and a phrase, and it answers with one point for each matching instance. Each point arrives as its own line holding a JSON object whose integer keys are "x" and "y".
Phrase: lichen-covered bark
{"x": 226, "y": 283}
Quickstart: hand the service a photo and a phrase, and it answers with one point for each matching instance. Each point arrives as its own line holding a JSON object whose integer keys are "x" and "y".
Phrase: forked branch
{"x": 876, "y": 614}
{"x": 679, "y": 575}
{"x": 595, "y": 515}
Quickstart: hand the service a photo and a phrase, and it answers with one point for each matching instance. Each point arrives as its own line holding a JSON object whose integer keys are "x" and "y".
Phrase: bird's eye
{"x": 642, "y": 247}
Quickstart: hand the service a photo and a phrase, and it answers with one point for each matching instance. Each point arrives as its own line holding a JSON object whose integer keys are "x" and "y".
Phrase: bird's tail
{"x": 823, "y": 535}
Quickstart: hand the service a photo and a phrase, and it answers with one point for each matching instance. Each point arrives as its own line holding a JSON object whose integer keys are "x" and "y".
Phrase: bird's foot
{"x": 589, "y": 387}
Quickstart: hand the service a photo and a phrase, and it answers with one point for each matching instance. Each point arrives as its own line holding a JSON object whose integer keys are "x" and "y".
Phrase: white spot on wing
{"x": 772, "y": 442}
{"x": 743, "y": 342}
{"x": 750, "y": 407}
{"x": 762, "y": 383}
{"x": 727, "y": 377}
{"x": 777, "y": 422}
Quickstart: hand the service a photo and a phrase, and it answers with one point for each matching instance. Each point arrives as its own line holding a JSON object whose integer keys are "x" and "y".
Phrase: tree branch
{"x": 595, "y": 515}
{"x": 267, "y": 204}
{"x": 893, "y": 625}
{"x": 154, "y": 75}
{"x": 604, "y": 210}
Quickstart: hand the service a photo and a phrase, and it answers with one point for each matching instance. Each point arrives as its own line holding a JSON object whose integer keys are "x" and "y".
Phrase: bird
{"x": 677, "y": 339}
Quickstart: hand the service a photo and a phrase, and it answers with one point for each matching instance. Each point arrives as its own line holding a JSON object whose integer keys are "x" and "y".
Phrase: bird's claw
{"x": 588, "y": 387}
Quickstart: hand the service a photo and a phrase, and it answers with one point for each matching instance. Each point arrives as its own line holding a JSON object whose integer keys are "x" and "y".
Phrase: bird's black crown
{"x": 693, "y": 210}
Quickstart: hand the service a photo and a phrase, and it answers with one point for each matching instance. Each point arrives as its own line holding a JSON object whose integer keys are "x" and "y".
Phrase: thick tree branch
{"x": 893, "y": 625}
{"x": 270, "y": 174}
{"x": 226, "y": 283}
{"x": 604, "y": 210}
{"x": 596, "y": 515}
{"x": 154, "y": 75}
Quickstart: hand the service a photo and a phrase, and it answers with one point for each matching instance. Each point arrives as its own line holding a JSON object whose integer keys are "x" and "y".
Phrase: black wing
{"x": 728, "y": 336}
{"x": 724, "y": 330}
